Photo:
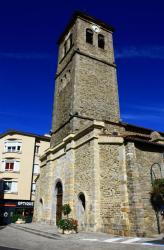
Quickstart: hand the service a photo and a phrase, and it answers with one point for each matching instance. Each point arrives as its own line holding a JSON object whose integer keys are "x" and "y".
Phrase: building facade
{"x": 19, "y": 168}
{"x": 96, "y": 163}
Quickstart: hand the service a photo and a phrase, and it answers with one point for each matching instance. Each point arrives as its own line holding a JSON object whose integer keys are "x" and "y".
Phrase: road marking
{"x": 147, "y": 244}
{"x": 152, "y": 244}
{"x": 131, "y": 240}
{"x": 112, "y": 239}
{"x": 122, "y": 240}
{"x": 91, "y": 239}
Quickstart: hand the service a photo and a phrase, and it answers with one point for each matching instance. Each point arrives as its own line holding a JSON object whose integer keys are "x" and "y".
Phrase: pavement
{"x": 42, "y": 236}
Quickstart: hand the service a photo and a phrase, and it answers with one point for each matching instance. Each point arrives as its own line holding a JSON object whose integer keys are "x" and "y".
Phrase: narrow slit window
{"x": 65, "y": 48}
{"x": 89, "y": 36}
{"x": 101, "y": 41}
{"x": 70, "y": 40}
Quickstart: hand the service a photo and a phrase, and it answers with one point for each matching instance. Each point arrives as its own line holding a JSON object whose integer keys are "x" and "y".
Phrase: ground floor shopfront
{"x": 9, "y": 208}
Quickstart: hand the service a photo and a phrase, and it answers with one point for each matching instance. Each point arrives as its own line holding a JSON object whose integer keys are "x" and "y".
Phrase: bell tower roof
{"x": 84, "y": 16}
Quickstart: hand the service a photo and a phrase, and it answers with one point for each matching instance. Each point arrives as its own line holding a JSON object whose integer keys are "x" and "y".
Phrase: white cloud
{"x": 144, "y": 117}
{"x": 26, "y": 56}
{"x": 153, "y": 52}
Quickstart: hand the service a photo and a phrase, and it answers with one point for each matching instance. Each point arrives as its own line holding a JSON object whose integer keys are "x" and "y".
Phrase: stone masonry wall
{"x": 63, "y": 103}
{"x": 84, "y": 180}
{"x": 110, "y": 189}
{"x": 95, "y": 89}
{"x": 145, "y": 158}
{"x": 63, "y": 171}
{"x": 42, "y": 211}
{"x": 139, "y": 160}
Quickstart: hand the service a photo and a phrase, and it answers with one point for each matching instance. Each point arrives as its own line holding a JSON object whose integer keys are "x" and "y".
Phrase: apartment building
{"x": 19, "y": 169}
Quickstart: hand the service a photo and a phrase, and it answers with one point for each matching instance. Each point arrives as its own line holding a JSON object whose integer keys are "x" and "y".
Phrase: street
{"x": 12, "y": 238}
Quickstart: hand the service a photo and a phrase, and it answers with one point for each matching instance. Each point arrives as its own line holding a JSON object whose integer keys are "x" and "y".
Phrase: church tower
{"x": 86, "y": 83}
{"x": 96, "y": 164}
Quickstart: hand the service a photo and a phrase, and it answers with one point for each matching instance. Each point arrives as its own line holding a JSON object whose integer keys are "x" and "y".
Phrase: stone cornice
{"x": 74, "y": 137}
{"x": 104, "y": 139}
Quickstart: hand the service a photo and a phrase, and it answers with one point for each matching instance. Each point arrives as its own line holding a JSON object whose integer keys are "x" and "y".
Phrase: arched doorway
{"x": 59, "y": 198}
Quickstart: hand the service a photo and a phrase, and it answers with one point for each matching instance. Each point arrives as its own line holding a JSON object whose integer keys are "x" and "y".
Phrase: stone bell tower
{"x": 86, "y": 84}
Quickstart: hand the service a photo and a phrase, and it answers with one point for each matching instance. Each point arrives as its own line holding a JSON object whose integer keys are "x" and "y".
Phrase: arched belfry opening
{"x": 59, "y": 199}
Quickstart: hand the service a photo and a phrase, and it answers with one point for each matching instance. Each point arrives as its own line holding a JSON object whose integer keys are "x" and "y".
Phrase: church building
{"x": 96, "y": 163}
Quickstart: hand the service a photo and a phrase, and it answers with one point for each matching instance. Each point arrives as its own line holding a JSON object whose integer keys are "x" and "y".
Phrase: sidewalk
{"x": 45, "y": 230}
{"x": 51, "y": 232}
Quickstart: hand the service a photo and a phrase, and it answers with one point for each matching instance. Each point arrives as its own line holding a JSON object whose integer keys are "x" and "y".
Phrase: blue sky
{"x": 29, "y": 30}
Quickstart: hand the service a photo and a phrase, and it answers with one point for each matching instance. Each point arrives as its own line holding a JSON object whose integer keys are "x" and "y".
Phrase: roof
{"x": 142, "y": 141}
{"x": 87, "y": 17}
{"x": 131, "y": 127}
{"x": 11, "y": 132}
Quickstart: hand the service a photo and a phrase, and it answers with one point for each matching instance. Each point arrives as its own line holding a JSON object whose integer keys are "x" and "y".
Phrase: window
{"x": 41, "y": 201}
{"x": 33, "y": 188}
{"x": 82, "y": 200}
{"x": 36, "y": 169}
{"x": 37, "y": 149}
{"x": 89, "y": 36}
{"x": 7, "y": 185}
{"x": 70, "y": 41}
{"x": 65, "y": 48}
{"x": 9, "y": 166}
{"x": 101, "y": 41}
{"x": 12, "y": 146}
{"x": 68, "y": 44}
{"x": 10, "y": 186}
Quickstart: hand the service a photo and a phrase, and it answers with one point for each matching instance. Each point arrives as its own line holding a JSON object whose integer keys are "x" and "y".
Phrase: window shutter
{"x": 14, "y": 187}
{"x": 33, "y": 187}
{"x": 2, "y": 166}
{"x": 36, "y": 169}
{"x": 16, "y": 166}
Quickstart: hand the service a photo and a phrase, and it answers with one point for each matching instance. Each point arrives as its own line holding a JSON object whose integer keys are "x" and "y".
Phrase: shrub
{"x": 17, "y": 216}
{"x": 67, "y": 224}
{"x": 66, "y": 209}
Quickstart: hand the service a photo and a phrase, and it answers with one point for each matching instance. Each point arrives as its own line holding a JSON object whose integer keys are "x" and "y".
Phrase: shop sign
{"x": 25, "y": 203}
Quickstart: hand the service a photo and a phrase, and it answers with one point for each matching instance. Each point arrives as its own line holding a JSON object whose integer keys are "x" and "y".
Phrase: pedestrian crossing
{"x": 124, "y": 240}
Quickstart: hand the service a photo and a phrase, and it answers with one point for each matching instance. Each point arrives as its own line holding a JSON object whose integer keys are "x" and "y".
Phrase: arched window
{"x": 89, "y": 36}
{"x": 101, "y": 41}
{"x": 82, "y": 200}
{"x": 59, "y": 188}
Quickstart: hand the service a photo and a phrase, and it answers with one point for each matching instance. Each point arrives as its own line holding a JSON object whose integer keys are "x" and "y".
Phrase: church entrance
{"x": 59, "y": 198}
